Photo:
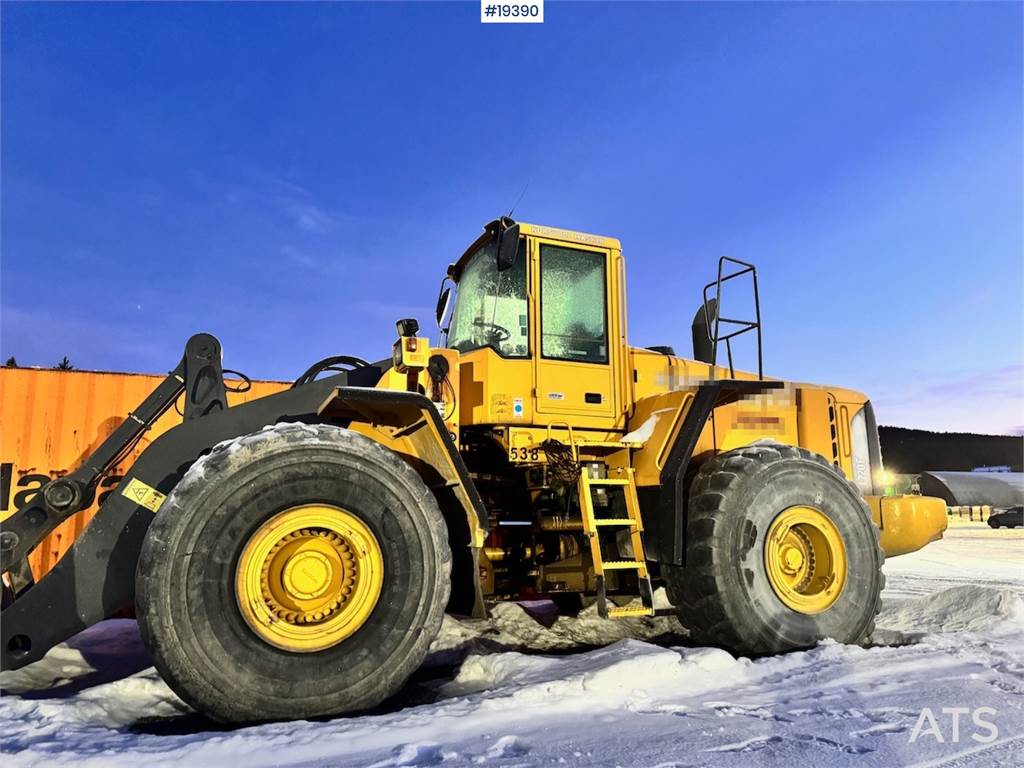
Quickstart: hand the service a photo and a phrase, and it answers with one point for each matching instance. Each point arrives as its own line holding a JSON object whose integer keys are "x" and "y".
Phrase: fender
{"x": 410, "y": 425}
{"x": 663, "y": 506}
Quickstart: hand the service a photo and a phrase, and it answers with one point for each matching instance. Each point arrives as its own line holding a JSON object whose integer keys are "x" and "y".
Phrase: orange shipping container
{"x": 51, "y": 420}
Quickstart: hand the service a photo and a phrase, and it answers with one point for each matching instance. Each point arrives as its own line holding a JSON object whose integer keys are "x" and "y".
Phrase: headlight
{"x": 885, "y": 478}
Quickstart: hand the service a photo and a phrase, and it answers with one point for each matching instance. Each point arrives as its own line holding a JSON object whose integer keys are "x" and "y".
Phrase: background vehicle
{"x": 307, "y": 564}
{"x": 1008, "y": 518}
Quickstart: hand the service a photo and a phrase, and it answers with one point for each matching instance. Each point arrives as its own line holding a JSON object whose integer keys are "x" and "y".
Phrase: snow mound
{"x": 107, "y": 651}
{"x": 968, "y": 608}
{"x": 105, "y": 670}
{"x": 511, "y": 628}
{"x": 626, "y": 672}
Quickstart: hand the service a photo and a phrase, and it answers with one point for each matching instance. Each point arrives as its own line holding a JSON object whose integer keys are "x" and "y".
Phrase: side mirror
{"x": 508, "y": 244}
{"x": 444, "y": 301}
{"x": 703, "y": 340}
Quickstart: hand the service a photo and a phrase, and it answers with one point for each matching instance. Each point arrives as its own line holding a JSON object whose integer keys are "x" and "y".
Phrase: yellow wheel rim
{"x": 309, "y": 577}
{"x": 805, "y": 558}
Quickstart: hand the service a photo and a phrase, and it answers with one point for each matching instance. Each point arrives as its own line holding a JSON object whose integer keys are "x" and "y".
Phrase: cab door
{"x": 574, "y": 355}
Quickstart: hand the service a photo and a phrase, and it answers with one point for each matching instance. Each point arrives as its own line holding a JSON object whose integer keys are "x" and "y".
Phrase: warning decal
{"x": 143, "y": 495}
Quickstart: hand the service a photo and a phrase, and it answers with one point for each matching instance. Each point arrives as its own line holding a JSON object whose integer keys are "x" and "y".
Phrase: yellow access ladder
{"x": 594, "y": 525}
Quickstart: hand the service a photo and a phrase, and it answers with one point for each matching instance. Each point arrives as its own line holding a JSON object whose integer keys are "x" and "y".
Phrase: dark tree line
{"x": 63, "y": 365}
{"x": 910, "y": 451}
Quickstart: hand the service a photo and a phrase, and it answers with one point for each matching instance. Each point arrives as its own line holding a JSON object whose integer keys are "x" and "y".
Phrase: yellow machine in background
{"x": 303, "y": 546}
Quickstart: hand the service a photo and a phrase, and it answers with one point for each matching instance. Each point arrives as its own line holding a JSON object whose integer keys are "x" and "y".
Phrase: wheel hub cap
{"x": 309, "y": 577}
{"x": 792, "y": 559}
{"x": 805, "y": 559}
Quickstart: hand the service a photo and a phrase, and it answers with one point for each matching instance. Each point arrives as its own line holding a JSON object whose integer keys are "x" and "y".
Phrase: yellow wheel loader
{"x": 292, "y": 556}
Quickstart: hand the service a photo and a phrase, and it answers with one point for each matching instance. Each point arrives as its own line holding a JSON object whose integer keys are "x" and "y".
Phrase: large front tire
{"x": 238, "y": 574}
{"x": 781, "y": 553}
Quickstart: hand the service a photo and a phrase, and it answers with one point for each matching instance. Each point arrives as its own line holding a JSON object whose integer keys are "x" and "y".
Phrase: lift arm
{"x": 198, "y": 374}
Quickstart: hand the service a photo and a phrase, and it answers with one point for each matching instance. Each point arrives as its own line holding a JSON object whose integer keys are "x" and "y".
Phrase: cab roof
{"x": 536, "y": 230}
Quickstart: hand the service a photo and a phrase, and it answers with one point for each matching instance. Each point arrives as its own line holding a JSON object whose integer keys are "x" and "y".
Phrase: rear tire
{"x": 187, "y": 605}
{"x": 724, "y": 592}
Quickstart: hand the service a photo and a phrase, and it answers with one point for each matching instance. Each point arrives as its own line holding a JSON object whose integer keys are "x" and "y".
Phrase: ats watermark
{"x": 948, "y": 727}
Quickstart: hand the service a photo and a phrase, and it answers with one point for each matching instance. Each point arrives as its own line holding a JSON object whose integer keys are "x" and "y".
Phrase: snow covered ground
{"x": 514, "y": 692}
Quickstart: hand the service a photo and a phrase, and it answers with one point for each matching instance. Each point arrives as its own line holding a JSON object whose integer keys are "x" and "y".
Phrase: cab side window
{"x": 573, "y": 303}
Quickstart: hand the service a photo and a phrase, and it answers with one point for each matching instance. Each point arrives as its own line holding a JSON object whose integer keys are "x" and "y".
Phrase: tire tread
{"x": 695, "y": 588}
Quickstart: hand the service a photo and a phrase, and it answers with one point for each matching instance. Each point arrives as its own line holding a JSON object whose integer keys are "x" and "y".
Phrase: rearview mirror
{"x": 508, "y": 244}
{"x": 703, "y": 338}
{"x": 444, "y": 299}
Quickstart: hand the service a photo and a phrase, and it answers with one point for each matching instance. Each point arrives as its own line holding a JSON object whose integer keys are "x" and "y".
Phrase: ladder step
{"x": 614, "y": 521}
{"x": 629, "y": 610}
{"x": 623, "y": 565}
{"x": 597, "y": 482}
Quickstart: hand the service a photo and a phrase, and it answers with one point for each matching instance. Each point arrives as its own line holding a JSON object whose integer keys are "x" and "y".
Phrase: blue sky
{"x": 293, "y": 178}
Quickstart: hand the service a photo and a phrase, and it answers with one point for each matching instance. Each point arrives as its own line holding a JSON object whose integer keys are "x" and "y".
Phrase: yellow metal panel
{"x": 813, "y": 423}
{"x": 768, "y": 416}
{"x": 51, "y": 420}
{"x": 907, "y": 522}
{"x": 493, "y": 389}
{"x": 657, "y": 418}
{"x": 406, "y": 429}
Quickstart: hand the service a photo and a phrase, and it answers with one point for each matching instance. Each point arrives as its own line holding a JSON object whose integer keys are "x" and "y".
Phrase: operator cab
{"x": 492, "y": 309}
{"x": 540, "y": 304}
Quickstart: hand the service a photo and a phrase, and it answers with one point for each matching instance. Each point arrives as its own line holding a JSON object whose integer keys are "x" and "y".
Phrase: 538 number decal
{"x": 525, "y": 454}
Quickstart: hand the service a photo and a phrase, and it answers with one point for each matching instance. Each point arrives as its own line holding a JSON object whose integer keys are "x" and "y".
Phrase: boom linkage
{"x": 199, "y": 375}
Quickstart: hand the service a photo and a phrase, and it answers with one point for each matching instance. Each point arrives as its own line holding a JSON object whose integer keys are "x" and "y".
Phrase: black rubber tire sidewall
{"x": 725, "y": 577}
{"x": 186, "y": 602}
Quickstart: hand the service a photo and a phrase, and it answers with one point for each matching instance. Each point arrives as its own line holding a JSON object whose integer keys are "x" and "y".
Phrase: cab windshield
{"x": 490, "y": 306}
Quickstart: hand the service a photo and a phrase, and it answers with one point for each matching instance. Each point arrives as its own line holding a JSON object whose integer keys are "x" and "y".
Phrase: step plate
{"x": 627, "y": 612}
{"x": 624, "y": 565}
